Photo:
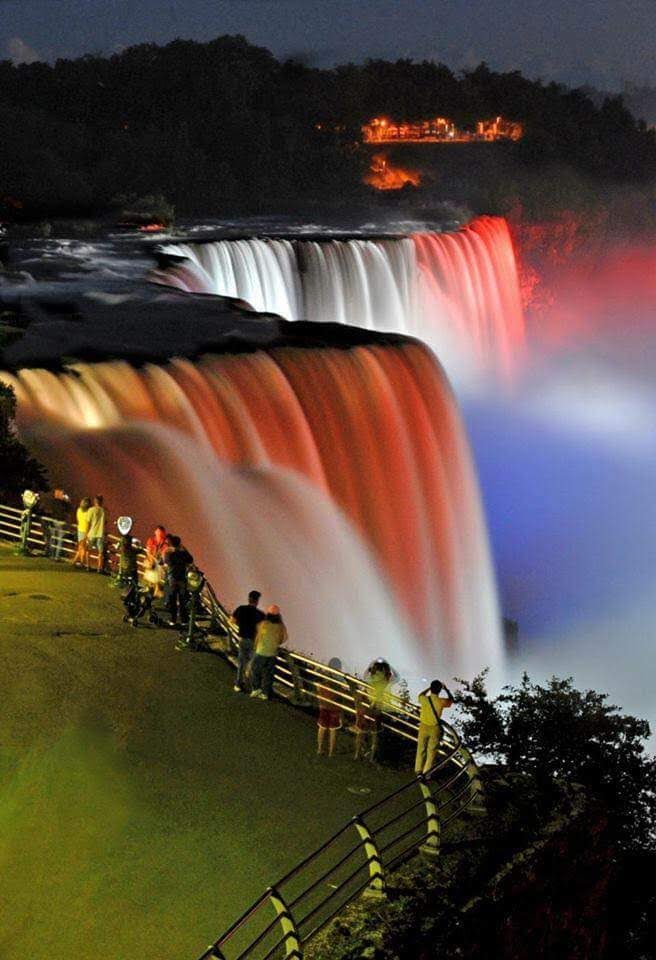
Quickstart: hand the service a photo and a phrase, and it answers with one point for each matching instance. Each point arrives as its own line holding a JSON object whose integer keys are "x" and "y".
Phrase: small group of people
{"x": 261, "y": 635}
{"x": 167, "y": 563}
{"x": 91, "y": 521}
{"x": 369, "y": 704}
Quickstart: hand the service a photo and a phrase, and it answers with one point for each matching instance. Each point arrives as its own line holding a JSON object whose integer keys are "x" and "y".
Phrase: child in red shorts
{"x": 330, "y": 715}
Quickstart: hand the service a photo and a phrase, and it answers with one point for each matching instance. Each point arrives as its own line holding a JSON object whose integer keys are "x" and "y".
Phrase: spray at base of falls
{"x": 457, "y": 292}
{"x": 337, "y": 481}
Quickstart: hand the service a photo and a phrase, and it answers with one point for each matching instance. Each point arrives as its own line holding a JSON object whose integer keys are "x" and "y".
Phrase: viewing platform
{"x": 144, "y": 803}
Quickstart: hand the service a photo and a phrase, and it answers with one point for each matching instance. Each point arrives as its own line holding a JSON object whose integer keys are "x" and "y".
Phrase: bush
{"x": 558, "y": 732}
{"x": 554, "y": 732}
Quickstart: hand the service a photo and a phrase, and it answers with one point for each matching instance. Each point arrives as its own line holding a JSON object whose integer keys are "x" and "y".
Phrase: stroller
{"x": 138, "y": 601}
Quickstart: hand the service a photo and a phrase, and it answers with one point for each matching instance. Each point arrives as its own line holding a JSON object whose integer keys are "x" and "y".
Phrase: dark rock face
{"x": 145, "y": 322}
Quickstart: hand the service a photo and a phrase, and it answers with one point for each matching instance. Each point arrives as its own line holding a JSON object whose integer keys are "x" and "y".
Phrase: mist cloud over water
{"x": 567, "y": 467}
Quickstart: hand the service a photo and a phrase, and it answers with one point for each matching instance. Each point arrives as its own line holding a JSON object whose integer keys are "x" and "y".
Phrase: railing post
{"x": 431, "y": 845}
{"x": 213, "y": 952}
{"x": 475, "y": 782}
{"x": 293, "y": 948}
{"x": 290, "y": 661}
{"x": 25, "y": 525}
{"x": 376, "y": 886}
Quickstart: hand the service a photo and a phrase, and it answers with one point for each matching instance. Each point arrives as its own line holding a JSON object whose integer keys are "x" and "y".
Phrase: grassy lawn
{"x": 143, "y": 804}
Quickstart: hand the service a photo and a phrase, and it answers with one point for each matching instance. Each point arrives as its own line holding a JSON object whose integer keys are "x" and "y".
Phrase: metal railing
{"x": 356, "y": 860}
{"x": 44, "y": 530}
{"x": 298, "y": 676}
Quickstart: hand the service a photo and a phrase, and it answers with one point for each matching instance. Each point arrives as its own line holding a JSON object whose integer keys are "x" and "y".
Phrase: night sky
{"x": 604, "y": 42}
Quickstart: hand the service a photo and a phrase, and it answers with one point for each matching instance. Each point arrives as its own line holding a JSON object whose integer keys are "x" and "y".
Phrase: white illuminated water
{"x": 457, "y": 292}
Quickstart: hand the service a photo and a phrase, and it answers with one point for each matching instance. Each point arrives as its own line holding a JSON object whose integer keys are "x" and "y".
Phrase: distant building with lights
{"x": 439, "y": 130}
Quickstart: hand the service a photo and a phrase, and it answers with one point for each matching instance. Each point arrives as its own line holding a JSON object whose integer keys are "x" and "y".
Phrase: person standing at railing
{"x": 97, "y": 518}
{"x": 271, "y": 634}
{"x": 82, "y": 523}
{"x": 156, "y": 544}
{"x": 59, "y": 509}
{"x": 330, "y": 715}
{"x": 247, "y": 617}
{"x": 128, "y": 566}
{"x": 155, "y": 572}
{"x": 177, "y": 560}
{"x": 431, "y": 705}
{"x": 380, "y": 677}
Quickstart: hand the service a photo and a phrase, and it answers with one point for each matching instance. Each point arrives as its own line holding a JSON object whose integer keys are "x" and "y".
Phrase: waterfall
{"x": 457, "y": 292}
{"x": 337, "y": 481}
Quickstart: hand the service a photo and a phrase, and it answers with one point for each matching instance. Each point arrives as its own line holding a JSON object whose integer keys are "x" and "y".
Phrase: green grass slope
{"x": 143, "y": 804}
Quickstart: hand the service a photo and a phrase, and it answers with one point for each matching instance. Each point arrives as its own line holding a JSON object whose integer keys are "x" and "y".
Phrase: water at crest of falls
{"x": 337, "y": 482}
{"x": 457, "y": 292}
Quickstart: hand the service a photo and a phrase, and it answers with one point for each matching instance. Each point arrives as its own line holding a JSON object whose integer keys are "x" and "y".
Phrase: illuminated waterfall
{"x": 337, "y": 481}
{"x": 457, "y": 292}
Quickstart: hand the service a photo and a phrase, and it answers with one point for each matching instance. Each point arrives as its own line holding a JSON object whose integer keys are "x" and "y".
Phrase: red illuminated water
{"x": 339, "y": 482}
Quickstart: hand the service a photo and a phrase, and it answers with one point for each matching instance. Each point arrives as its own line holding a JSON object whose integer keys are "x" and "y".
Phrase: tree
{"x": 556, "y": 732}
{"x": 18, "y": 469}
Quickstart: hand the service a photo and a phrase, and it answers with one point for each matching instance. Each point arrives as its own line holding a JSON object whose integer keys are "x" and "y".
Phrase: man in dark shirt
{"x": 247, "y": 617}
{"x": 177, "y": 561}
{"x": 57, "y": 510}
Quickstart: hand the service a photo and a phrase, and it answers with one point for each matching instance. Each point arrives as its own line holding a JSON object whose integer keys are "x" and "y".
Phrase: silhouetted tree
{"x": 554, "y": 731}
{"x": 18, "y": 469}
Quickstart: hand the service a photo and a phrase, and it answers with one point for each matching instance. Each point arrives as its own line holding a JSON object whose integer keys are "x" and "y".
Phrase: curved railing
{"x": 355, "y": 861}
{"x": 358, "y": 857}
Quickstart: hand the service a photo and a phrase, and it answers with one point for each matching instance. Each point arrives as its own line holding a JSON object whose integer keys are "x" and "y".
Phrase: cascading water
{"x": 339, "y": 482}
{"x": 457, "y": 292}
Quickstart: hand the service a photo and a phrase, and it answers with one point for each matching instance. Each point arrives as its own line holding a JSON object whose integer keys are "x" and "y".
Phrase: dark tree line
{"x": 18, "y": 469}
{"x": 220, "y": 123}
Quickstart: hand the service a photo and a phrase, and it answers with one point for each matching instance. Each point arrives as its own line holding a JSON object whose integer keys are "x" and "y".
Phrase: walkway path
{"x": 143, "y": 804}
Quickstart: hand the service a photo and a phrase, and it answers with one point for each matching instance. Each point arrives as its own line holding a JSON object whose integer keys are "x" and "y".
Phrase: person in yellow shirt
{"x": 431, "y": 705}
{"x": 82, "y": 521}
{"x": 270, "y": 636}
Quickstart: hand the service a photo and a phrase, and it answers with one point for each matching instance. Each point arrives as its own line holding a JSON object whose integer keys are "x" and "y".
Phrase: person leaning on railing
{"x": 81, "y": 556}
{"x": 155, "y": 571}
{"x": 97, "y": 519}
{"x": 330, "y": 715}
{"x": 270, "y": 636}
{"x": 379, "y": 676}
{"x": 246, "y": 617}
{"x": 431, "y": 705}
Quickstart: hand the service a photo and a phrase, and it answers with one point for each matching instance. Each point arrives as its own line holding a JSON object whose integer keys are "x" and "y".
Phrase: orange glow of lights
{"x": 439, "y": 130}
{"x": 382, "y": 175}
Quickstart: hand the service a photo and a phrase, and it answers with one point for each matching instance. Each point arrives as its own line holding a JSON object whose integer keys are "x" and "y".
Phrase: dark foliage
{"x": 558, "y": 732}
{"x": 18, "y": 469}
{"x": 555, "y": 731}
{"x": 220, "y": 123}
